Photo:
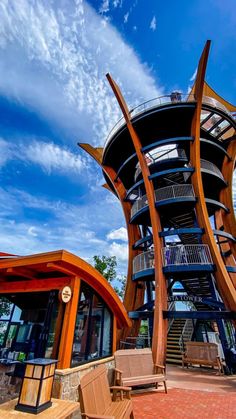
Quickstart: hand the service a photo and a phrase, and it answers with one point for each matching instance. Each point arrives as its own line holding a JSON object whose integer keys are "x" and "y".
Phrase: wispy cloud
{"x": 49, "y": 156}
{"x": 192, "y": 78}
{"x": 54, "y": 57}
{"x": 153, "y": 24}
{"x": 126, "y": 17}
{"x": 117, "y": 3}
{"x": 118, "y": 234}
{"x": 120, "y": 250}
{"x": 105, "y": 6}
{"x": 79, "y": 229}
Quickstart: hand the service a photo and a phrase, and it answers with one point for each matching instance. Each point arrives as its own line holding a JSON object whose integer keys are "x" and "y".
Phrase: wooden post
{"x": 68, "y": 328}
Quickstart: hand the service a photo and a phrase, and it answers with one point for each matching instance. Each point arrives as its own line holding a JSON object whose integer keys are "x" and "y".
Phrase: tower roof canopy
{"x": 208, "y": 91}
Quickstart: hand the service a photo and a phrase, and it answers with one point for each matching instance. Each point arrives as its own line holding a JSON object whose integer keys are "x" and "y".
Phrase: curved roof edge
{"x": 71, "y": 265}
{"x": 208, "y": 91}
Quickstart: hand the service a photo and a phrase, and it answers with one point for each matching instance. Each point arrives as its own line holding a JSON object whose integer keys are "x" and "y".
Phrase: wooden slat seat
{"x": 202, "y": 353}
{"x": 96, "y": 400}
{"x": 135, "y": 367}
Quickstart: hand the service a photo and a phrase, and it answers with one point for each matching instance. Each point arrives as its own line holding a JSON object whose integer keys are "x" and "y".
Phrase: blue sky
{"x": 53, "y": 93}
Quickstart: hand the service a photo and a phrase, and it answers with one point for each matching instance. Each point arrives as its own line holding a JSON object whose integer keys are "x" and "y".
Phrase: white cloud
{"x": 49, "y": 156}
{"x": 194, "y": 75}
{"x": 117, "y": 3}
{"x": 53, "y": 158}
{"x": 54, "y": 57}
{"x": 126, "y": 17}
{"x": 81, "y": 229}
{"x": 32, "y": 232}
{"x": 5, "y": 152}
{"x": 118, "y": 234}
{"x": 105, "y": 6}
{"x": 153, "y": 24}
{"x": 119, "y": 250}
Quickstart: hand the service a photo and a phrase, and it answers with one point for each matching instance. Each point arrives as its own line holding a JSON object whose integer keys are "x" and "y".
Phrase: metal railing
{"x": 215, "y": 103}
{"x": 161, "y": 155}
{"x": 205, "y": 164}
{"x": 187, "y": 333}
{"x": 153, "y": 103}
{"x": 191, "y": 254}
{"x": 162, "y": 100}
{"x": 174, "y": 191}
{"x": 143, "y": 261}
{"x": 171, "y": 307}
{"x": 139, "y": 204}
{"x": 168, "y": 192}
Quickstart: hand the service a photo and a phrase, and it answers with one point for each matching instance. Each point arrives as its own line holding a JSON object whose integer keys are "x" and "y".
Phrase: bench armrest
{"x": 122, "y": 390}
{"x": 94, "y": 416}
{"x": 161, "y": 367}
{"x": 118, "y": 377}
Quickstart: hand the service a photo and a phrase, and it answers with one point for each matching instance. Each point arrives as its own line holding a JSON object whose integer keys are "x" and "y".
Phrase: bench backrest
{"x": 94, "y": 392}
{"x": 201, "y": 350}
{"x": 134, "y": 362}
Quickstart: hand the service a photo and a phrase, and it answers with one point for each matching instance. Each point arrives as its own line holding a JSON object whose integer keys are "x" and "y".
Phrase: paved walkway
{"x": 192, "y": 393}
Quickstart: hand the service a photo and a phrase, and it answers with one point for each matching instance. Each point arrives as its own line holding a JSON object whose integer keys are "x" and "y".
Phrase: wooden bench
{"x": 202, "y": 353}
{"x": 135, "y": 367}
{"x": 96, "y": 400}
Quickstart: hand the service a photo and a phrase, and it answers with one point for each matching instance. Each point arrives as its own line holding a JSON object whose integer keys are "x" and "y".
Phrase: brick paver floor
{"x": 184, "y": 404}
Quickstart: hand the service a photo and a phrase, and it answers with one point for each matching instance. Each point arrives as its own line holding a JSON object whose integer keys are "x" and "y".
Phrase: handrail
{"x": 205, "y": 164}
{"x": 143, "y": 261}
{"x": 163, "y": 100}
{"x": 187, "y": 332}
{"x": 168, "y": 192}
{"x": 190, "y": 254}
{"x": 174, "y": 191}
{"x": 149, "y": 104}
{"x": 158, "y": 156}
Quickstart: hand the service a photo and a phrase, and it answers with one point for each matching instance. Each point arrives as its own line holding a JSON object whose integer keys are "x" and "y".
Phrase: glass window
{"x": 27, "y": 324}
{"x": 93, "y": 329}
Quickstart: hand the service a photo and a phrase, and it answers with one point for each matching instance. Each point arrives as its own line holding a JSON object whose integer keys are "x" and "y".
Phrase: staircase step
{"x": 173, "y": 361}
{"x": 174, "y": 350}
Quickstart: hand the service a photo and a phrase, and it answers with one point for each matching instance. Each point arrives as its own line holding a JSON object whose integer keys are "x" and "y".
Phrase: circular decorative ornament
{"x": 65, "y": 294}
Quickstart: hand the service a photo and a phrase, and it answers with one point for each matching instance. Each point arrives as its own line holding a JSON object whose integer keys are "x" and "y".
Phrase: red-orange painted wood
{"x": 34, "y": 285}
{"x": 68, "y": 328}
{"x": 226, "y": 194}
{"x": 224, "y": 282}
{"x": 160, "y": 325}
{"x": 225, "y": 247}
{"x": 64, "y": 262}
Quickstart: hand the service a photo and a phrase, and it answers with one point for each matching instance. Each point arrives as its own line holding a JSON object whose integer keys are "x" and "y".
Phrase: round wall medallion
{"x": 65, "y": 294}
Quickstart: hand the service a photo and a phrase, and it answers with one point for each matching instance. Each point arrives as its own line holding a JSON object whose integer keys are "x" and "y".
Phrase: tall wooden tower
{"x": 170, "y": 162}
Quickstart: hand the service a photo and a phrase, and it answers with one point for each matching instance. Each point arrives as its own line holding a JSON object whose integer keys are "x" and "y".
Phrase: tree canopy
{"x": 106, "y": 265}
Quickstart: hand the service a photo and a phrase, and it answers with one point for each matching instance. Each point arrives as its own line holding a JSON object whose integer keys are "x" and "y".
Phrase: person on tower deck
{"x": 175, "y": 96}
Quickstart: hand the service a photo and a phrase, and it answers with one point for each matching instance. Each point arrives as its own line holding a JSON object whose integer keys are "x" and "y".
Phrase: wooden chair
{"x": 135, "y": 367}
{"x": 202, "y": 353}
{"x": 96, "y": 401}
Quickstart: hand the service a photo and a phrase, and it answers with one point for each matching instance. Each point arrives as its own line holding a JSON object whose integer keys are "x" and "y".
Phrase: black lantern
{"x": 36, "y": 388}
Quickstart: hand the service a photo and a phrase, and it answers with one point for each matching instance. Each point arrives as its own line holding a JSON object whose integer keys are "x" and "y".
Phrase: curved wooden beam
{"x": 160, "y": 324}
{"x": 226, "y": 194}
{"x": 225, "y": 247}
{"x": 223, "y": 280}
{"x": 134, "y": 293}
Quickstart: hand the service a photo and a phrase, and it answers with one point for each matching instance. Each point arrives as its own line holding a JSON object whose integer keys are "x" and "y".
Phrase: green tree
{"x": 5, "y": 306}
{"x": 106, "y": 265}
